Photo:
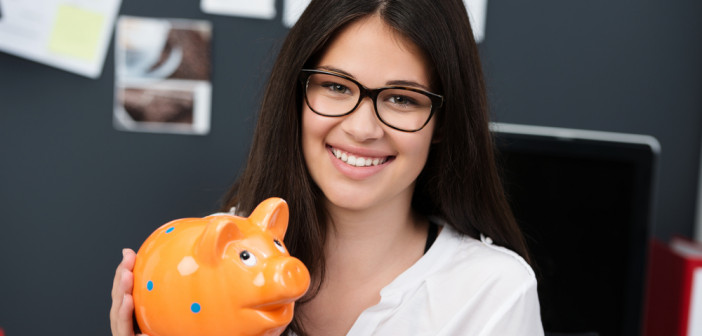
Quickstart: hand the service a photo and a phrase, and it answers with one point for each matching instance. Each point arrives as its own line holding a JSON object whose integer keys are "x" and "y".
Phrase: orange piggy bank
{"x": 219, "y": 275}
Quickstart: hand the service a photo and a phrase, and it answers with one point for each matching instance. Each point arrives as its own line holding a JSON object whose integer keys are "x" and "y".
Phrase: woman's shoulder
{"x": 482, "y": 262}
{"x": 461, "y": 286}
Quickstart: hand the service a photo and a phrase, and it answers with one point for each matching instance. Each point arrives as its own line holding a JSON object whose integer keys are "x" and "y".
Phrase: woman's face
{"x": 375, "y": 55}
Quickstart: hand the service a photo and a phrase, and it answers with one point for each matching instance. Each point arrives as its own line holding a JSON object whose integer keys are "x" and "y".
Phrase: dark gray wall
{"x": 74, "y": 191}
{"x": 624, "y": 66}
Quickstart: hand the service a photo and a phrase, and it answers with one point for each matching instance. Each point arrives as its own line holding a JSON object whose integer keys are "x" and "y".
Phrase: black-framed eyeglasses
{"x": 332, "y": 94}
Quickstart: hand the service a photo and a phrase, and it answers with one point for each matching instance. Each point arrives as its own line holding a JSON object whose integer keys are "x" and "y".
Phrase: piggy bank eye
{"x": 247, "y": 258}
{"x": 279, "y": 245}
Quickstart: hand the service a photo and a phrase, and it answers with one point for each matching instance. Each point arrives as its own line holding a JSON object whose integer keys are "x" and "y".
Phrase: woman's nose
{"x": 362, "y": 124}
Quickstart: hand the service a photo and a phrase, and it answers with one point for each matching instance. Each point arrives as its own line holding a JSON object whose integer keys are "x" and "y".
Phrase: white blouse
{"x": 461, "y": 286}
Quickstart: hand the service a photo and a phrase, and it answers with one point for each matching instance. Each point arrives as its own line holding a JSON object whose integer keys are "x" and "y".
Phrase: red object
{"x": 670, "y": 287}
{"x": 2, "y": 332}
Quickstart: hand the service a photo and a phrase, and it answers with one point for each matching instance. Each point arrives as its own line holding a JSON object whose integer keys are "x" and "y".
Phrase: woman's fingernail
{"x": 124, "y": 253}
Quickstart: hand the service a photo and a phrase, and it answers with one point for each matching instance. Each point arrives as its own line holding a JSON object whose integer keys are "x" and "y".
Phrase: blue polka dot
{"x": 169, "y": 229}
{"x": 195, "y": 307}
{"x": 150, "y": 285}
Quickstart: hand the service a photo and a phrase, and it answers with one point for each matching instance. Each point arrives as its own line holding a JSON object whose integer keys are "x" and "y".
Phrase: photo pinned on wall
{"x": 162, "y": 77}
{"x": 260, "y": 9}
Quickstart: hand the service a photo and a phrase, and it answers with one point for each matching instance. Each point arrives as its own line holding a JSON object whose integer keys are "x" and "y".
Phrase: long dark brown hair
{"x": 459, "y": 183}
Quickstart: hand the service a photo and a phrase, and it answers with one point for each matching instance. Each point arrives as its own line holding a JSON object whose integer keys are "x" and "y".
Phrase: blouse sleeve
{"x": 519, "y": 315}
{"x": 514, "y": 314}
{"x": 504, "y": 299}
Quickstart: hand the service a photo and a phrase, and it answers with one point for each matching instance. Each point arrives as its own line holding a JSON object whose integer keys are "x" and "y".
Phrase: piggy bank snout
{"x": 291, "y": 277}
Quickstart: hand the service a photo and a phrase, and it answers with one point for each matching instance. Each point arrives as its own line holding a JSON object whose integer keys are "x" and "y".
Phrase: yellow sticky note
{"x": 76, "y": 32}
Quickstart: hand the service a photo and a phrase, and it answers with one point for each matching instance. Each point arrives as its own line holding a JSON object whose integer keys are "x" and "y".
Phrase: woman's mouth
{"x": 356, "y": 160}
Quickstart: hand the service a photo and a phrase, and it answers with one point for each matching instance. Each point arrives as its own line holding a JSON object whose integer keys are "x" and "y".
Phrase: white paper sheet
{"x": 695, "y": 318}
{"x": 72, "y": 35}
{"x": 292, "y": 9}
{"x": 477, "y": 12}
{"x": 261, "y": 9}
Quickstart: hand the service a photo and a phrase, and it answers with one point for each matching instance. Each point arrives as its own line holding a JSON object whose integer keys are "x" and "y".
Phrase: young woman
{"x": 374, "y": 128}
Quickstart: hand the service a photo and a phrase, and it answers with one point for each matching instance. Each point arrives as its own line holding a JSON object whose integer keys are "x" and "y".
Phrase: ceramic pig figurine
{"x": 219, "y": 275}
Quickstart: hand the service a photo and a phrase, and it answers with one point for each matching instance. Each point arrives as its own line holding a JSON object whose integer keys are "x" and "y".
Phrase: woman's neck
{"x": 370, "y": 242}
{"x": 365, "y": 251}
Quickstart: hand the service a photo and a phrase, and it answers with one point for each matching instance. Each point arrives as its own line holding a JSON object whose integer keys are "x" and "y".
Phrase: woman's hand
{"x": 122, "y": 301}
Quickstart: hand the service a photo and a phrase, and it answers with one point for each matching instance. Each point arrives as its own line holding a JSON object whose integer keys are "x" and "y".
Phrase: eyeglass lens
{"x": 332, "y": 95}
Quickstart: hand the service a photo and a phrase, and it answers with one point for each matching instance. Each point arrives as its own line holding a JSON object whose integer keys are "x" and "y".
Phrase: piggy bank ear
{"x": 272, "y": 215}
{"x": 217, "y": 234}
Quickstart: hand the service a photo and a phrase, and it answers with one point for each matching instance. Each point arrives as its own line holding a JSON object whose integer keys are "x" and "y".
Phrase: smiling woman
{"x": 374, "y": 128}
{"x": 359, "y": 135}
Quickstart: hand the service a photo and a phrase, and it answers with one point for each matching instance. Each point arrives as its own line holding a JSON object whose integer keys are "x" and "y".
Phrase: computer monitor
{"x": 584, "y": 200}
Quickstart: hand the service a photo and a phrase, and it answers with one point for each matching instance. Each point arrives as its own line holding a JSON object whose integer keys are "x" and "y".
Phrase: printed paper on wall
{"x": 72, "y": 35}
{"x": 162, "y": 75}
{"x": 292, "y": 9}
{"x": 477, "y": 12}
{"x": 261, "y": 9}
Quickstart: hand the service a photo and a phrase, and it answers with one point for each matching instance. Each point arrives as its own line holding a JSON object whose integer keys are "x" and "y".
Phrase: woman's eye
{"x": 247, "y": 258}
{"x": 336, "y": 87}
{"x": 279, "y": 245}
{"x": 402, "y": 100}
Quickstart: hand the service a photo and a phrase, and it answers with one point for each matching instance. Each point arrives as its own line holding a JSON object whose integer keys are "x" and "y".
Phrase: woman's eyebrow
{"x": 408, "y": 83}
{"x": 332, "y": 69}
{"x": 389, "y": 83}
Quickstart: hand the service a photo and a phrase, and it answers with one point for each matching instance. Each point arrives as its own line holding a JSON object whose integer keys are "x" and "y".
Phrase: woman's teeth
{"x": 357, "y": 161}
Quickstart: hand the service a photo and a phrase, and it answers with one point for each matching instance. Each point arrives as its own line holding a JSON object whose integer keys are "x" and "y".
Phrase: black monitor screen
{"x": 583, "y": 200}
